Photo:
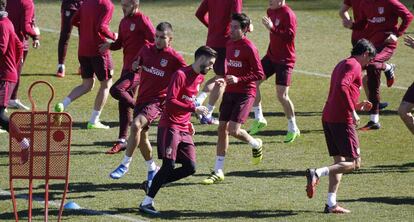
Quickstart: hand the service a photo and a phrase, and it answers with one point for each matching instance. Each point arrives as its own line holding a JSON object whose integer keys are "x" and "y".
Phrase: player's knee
{"x": 282, "y": 97}
{"x": 234, "y": 132}
{"x": 114, "y": 91}
{"x": 136, "y": 125}
{"x": 222, "y": 129}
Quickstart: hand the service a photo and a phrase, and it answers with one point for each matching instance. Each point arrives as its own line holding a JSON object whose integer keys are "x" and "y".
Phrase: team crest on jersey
{"x": 132, "y": 27}
{"x": 236, "y": 53}
{"x": 164, "y": 62}
{"x": 381, "y": 10}
{"x": 277, "y": 22}
{"x": 168, "y": 151}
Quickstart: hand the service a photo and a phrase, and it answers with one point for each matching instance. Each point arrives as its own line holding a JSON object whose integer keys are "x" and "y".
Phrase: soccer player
{"x": 379, "y": 22}
{"x": 67, "y": 11}
{"x": 280, "y": 59}
{"x": 158, "y": 62}
{"x": 93, "y": 19}
{"x": 216, "y": 16}
{"x": 407, "y": 103}
{"x": 11, "y": 55}
{"x": 21, "y": 14}
{"x": 339, "y": 119}
{"x": 243, "y": 70}
{"x": 135, "y": 29}
{"x": 357, "y": 35}
{"x": 175, "y": 131}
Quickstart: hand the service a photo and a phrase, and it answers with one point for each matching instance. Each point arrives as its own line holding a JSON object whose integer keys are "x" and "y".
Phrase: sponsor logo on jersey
{"x": 188, "y": 98}
{"x": 377, "y": 20}
{"x": 132, "y": 27}
{"x": 234, "y": 63}
{"x": 163, "y": 63}
{"x": 153, "y": 71}
{"x": 277, "y": 22}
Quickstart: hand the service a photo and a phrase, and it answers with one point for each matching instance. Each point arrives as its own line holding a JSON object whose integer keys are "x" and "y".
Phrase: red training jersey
{"x": 281, "y": 49}
{"x": 93, "y": 19}
{"x": 134, "y": 32}
{"x": 242, "y": 61}
{"x": 346, "y": 80}
{"x": 11, "y": 51}
{"x": 216, "y": 16}
{"x": 22, "y": 15}
{"x": 379, "y": 18}
{"x": 179, "y": 104}
{"x": 158, "y": 66}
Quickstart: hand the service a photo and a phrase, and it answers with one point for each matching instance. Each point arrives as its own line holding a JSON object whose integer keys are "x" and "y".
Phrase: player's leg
{"x": 65, "y": 30}
{"x": 406, "y": 107}
{"x": 236, "y": 131}
{"x": 288, "y": 107}
{"x": 259, "y": 121}
{"x": 146, "y": 152}
{"x": 134, "y": 139}
{"x": 103, "y": 69}
{"x": 14, "y": 102}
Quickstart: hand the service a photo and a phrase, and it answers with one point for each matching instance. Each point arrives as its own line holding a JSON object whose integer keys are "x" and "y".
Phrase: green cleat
{"x": 97, "y": 125}
{"x": 214, "y": 178}
{"x": 257, "y": 153}
{"x": 59, "y": 107}
{"x": 258, "y": 124}
{"x": 291, "y": 136}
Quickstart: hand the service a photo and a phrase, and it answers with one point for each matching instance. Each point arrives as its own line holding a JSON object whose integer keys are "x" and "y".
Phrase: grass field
{"x": 275, "y": 190}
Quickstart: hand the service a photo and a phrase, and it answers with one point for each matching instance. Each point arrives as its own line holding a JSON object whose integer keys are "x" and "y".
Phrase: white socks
{"x": 258, "y": 112}
{"x": 219, "y": 164}
{"x": 374, "y": 118}
{"x": 95, "y": 117}
{"x": 66, "y": 102}
{"x": 331, "y": 199}
{"x": 292, "y": 127}
{"x": 210, "y": 110}
{"x": 126, "y": 161}
{"x": 61, "y": 66}
{"x": 324, "y": 171}
{"x": 151, "y": 166}
{"x": 387, "y": 67}
{"x": 201, "y": 97}
{"x": 147, "y": 200}
{"x": 254, "y": 143}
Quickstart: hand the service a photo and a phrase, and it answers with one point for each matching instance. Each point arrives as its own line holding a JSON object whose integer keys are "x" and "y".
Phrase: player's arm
{"x": 106, "y": 15}
{"x": 28, "y": 15}
{"x": 172, "y": 102}
{"x": 285, "y": 32}
{"x": 256, "y": 68}
{"x": 346, "y": 18}
{"x": 76, "y": 18}
{"x": 202, "y": 12}
{"x": 409, "y": 41}
{"x": 4, "y": 41}
{"x": 148, "y": 29}
{"x": 345, "y": 84}
{"x": 404, "y": 14}
{"x": 237, "y": 6}
{"x": 117, "y": 45}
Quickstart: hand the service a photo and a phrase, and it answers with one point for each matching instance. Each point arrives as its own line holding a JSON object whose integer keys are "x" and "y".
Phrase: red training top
{"x": 21, "y": 14}
{"x": 11, "y": 51}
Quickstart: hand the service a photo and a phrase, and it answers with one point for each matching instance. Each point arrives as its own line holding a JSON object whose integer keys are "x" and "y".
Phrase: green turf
{"x": 275, "y": 190}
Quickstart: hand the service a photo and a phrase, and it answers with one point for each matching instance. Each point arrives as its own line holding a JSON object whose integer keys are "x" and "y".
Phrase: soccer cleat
{"x": 60, "y": 72}
{"x": 258, "y": 124}
{"x": 383, "y": 105}
{"x": 214, "y": 178}
{"x": 257, "y": 153}
{"x": 390, "y": 75}
{"x": 17, "y": 104}
{"x": 209, "y": 121}
{"x": 291, "y": 136}
{"x": 118, "y": 147}
{"x": 97, "y": 125}
{"x": 312, "y": 182}
{"x": 371, "y": 126}
{"x": 119, "y": 172}
{"x": 336, "y": 209}
{"x": 148, "y": 209}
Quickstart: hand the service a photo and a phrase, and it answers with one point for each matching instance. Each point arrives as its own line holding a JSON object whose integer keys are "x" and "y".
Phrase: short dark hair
{"x": 242, "y": 18}
{"x": 205, "y": 51}
{"x": 363, "y": 46}
{"x": 3, "y": 4}
{"x": 164, "y": 26}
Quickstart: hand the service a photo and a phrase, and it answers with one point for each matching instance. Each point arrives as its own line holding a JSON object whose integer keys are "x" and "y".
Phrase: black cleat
{"x": 148, "y": 209}
{"x": 371, "y": 126}
{"x": 383, "y": 105}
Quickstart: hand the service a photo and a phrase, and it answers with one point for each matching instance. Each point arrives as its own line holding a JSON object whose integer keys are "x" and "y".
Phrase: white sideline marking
{"x": 86, "y": 211}
{"x": 191, "y": 54}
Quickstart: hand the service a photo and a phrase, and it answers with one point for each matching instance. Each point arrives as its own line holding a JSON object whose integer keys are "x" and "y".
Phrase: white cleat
{"x": 16, "y": 104}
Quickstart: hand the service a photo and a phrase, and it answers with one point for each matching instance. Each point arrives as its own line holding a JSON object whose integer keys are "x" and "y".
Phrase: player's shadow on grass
{"x": 38, "y": 74}
{"x": 53, "y": 196}
{"x": 386, "y": 112}
{"x": 385, "y": 200}
{"x": 403, "y": 168}
{"x": 282, "y": 114}
{"x": 283, "y": 173}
